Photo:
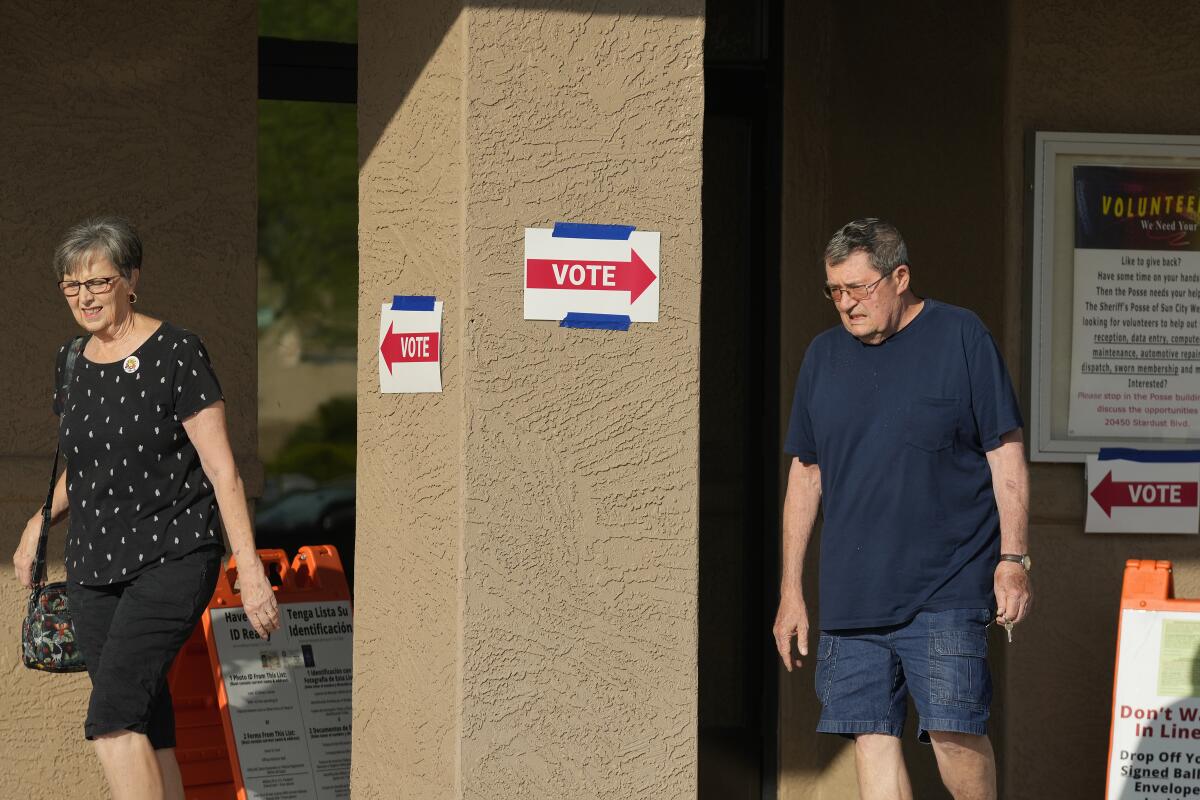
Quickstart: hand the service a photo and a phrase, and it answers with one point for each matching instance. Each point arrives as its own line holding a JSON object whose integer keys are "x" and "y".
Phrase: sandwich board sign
{"x": 578, "y": 268}
{"x": 1154, "y": 739}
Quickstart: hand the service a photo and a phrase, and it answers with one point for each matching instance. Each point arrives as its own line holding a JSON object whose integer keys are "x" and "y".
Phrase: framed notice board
{"x": 1115, "y": 328}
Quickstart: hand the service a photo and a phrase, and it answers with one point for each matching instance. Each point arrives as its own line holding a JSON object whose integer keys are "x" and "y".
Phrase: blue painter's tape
{"x": 413, "y": 302}
{"x": 604, "y": 322}
{"x": 1150, "y": 456}
{"x": 584, "y": 230}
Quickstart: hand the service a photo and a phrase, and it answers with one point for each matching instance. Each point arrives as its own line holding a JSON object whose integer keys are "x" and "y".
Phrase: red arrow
{"x": 1111, "y": 494}
{"x": 631, "y": 276}
{"x": 405, "y": 347}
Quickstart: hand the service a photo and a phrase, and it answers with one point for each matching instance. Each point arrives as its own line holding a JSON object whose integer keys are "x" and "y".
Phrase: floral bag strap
{"x": 39, "y": 561}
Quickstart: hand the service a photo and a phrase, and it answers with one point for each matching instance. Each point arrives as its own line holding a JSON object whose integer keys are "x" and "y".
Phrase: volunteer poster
{"x": 1136, "y": 318}
{"x": 290, "y": 699}
{"x": 1155, "y": 743}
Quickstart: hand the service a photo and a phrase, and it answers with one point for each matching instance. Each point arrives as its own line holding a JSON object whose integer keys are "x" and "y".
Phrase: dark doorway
{"x": 739, "y": 360}
{"x": 307, "y": 275}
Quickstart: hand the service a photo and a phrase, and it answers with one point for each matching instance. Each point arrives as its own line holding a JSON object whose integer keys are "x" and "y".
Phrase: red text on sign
{"x": 406, "y": 348}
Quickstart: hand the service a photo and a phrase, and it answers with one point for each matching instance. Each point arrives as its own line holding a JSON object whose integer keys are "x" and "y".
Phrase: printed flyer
{"x": 1135, "y": 342}
{"x": 290, "y": 699}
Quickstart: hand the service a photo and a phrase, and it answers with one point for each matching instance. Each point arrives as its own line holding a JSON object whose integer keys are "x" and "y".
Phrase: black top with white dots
{"x": 138, "y": 495}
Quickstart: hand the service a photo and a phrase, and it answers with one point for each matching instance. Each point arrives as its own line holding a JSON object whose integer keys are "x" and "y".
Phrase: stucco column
{"x": 527, "y": 566}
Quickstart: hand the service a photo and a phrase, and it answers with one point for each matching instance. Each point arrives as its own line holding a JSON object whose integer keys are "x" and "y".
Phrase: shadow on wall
{"x": 438, "y": 17}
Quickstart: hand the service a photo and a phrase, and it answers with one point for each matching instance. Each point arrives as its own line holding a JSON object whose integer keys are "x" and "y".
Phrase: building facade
{"x": 531, "y": 554}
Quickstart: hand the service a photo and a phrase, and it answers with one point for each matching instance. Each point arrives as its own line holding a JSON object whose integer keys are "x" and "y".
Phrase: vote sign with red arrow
{"x": 1140, "y": 497}
{"x": 410, "y": 336}
{"x": 564, "y": 274}
{"x": 1143, "y": 494}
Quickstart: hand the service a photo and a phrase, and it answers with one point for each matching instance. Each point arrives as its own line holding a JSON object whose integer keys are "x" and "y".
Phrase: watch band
{"x": 1022, "y": 559}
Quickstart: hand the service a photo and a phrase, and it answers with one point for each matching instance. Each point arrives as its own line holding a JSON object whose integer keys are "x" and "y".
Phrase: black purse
{"x": 47, "y": 636}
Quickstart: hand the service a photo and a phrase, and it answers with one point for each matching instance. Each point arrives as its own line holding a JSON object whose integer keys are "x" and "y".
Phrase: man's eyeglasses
{"x": 95, "y": 285}
{"x": 861, "y": 292}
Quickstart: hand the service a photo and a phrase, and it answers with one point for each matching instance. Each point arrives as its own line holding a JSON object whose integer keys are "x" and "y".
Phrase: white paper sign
{"x": 1156, "y": 708}
{"x": 290, "y": 699}
{"x": 1135, "y": 337}
{"x": 1135, "y": 497}
{"x": 594, "y": 276}
{"x": 410, "y": 351}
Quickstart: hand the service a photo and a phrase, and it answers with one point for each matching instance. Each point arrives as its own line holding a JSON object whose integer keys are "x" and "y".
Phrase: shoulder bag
{"x": 47, "y": 636}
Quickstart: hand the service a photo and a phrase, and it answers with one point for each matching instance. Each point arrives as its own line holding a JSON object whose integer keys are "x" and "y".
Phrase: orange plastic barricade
{"x": 1154, "y": 740}
{"x": 263, "y": 718}
{"x": 200, "y": 744}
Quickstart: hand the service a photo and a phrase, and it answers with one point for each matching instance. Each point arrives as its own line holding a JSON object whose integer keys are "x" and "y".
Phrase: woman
{"x": 142, "y": 426}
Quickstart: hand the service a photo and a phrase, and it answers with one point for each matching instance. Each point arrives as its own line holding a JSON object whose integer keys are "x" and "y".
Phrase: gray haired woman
{"x": 148, "y": 463}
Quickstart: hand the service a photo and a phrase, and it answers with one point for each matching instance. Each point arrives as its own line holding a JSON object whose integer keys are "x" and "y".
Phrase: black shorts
{"x": 129, "y": 634}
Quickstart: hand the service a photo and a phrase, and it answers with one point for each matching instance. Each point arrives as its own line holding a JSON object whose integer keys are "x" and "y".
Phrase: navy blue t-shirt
{"x": 900, "y": 431}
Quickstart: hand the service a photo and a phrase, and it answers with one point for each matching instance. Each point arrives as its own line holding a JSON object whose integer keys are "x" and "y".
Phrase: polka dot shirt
{"x": 137, "y": 493}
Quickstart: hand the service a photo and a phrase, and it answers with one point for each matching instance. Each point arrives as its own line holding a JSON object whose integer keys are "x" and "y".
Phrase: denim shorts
{"x": 129, "y": 634}
{"x": 864, "y": 677}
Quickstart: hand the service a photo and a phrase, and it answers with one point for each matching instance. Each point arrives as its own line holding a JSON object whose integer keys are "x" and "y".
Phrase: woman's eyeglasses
{"x": 95, "y": 285}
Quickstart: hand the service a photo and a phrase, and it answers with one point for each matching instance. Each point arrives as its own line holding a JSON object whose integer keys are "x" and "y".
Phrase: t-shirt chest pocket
{"x": 932, "y": 423}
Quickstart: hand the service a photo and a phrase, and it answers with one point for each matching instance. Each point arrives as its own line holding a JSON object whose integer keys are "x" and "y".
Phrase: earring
{"x": 132, "y": 298}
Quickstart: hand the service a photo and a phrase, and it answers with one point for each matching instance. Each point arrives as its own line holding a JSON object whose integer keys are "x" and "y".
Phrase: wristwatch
{"x": 1024, "y": 560}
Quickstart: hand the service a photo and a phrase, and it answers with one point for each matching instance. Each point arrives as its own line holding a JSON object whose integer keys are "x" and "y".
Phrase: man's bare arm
{"x": 799, "y": 516}
{"x": 1010, "y": 483}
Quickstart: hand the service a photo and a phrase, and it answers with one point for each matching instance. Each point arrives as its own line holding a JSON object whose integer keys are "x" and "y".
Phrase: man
{"x": 906, "y": 431}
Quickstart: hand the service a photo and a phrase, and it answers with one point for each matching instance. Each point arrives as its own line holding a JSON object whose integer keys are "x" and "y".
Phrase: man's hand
{"x": 1014, "y": 595}
{"x": 791, "y": 622}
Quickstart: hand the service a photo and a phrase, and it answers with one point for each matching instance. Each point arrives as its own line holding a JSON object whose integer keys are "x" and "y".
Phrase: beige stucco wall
{"x": 939, "y": 148}
{"x": 527, "y": 539}
{"x": 150, "y": 113}
{"x": 1115, "y": 68}
{"x": 409, "y": 499}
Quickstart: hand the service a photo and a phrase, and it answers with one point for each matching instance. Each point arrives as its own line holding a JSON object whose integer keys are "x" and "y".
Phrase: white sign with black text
{"x": 290, "y": 699}
{"x": 1155, "y": 746}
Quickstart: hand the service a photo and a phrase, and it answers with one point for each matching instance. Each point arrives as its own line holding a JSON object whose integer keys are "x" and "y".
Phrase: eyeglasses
{"x": 835, "y": 293}
{"x": 95, "y": 285}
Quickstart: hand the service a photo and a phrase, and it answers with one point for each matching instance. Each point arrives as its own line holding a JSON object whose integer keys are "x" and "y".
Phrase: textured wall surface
{"x": 580, "y": 459}
{"x": 530, "y": 627}
{"x": 150, "y": 113}
{"x": 1109, "y": 68}
{"x": 408, "y": 538}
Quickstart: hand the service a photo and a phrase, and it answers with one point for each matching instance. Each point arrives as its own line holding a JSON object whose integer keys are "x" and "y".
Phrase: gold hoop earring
{"x": 132, "y": 298}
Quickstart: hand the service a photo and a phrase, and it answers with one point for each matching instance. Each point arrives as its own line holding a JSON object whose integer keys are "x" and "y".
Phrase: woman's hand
{"x": 27, "y": 551}
{"x": 258, "y": 599}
